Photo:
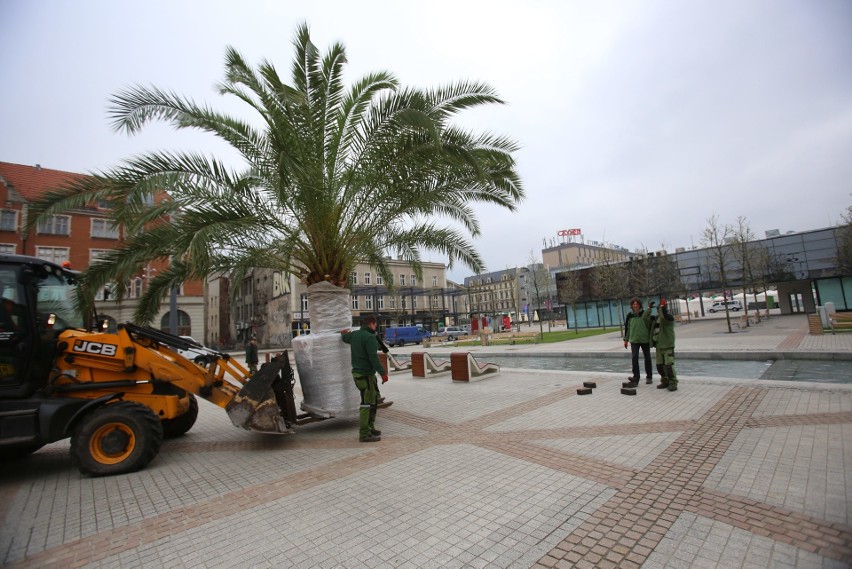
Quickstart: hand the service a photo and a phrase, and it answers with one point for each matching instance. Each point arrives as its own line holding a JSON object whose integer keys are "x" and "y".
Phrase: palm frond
{"x": 331, "y": 176}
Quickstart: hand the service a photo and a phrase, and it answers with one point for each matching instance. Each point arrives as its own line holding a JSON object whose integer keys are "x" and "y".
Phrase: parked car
{"x": 193, "y": 353}
{"x": 719, "y": 306}
{"x": 402, "y": 335}
{"x": 454, "y": 332}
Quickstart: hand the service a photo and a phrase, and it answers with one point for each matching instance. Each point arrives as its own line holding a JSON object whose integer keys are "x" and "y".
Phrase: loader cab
{"x": 37, "y": 303}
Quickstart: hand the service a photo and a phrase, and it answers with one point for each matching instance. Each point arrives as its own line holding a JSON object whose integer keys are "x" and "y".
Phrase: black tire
{"x": 116, "y": 438}
{"x": 451, "y": 338}
{"x": 181, "y": 424}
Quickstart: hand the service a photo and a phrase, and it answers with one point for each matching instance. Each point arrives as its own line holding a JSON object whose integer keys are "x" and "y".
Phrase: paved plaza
{"x": 515, "y": 470}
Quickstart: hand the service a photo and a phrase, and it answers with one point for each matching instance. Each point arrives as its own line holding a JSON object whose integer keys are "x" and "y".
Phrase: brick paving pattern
{"x": 515, "y": 470}
{"x": 626, "y": 530}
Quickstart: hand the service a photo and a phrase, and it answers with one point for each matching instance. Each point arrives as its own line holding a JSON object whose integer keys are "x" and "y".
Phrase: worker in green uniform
{"x": 251, "y": 356}
{"x": 664, "y": 342}
{"x": 365, "y": 365}
{"x": 637, "y": 332}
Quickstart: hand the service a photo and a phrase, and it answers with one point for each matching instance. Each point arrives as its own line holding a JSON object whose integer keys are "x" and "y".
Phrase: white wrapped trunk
{"x": 322, "y": 359}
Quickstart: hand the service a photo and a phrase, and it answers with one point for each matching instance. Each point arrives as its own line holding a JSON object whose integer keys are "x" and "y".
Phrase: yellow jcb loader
{"x": 117, "y": 395}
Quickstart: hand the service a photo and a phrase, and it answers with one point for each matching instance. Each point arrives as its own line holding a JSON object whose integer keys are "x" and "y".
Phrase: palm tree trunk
{"x": 322, "y": 359}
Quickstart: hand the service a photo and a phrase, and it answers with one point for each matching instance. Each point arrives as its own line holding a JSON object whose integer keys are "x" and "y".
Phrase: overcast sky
{"x": 637, "y": 119}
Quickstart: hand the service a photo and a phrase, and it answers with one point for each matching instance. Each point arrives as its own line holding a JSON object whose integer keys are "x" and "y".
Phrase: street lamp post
{"x": 173, "y": 319}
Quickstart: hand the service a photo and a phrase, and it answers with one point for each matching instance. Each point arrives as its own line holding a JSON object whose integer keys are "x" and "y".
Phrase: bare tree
{"x": 569, "y": 288}
{"x": 665, "y": 277}
{"x": 716, "y": 238}
{"x": 844, "y": 244}
{"x": 610, "y": 280}
{"x": 640, "y": 279}
{"x": 539, "y": 282}
{"x": 748, "y": 255}
{"x": 655, "y": 275}
{"x": 435, "y": 309}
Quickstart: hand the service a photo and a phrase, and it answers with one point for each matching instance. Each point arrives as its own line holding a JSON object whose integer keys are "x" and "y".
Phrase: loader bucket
{"x": 257, "y": 407}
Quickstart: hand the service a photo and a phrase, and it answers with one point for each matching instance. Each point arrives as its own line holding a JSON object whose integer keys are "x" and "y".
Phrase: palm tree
{"x": 330, "y": 176}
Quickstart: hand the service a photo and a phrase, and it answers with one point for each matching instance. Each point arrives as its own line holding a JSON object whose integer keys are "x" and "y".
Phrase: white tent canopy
{"x": 682, "y": 306}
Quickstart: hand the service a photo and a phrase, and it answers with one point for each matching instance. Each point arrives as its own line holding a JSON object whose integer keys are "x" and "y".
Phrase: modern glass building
{"x": 802, "y": 267}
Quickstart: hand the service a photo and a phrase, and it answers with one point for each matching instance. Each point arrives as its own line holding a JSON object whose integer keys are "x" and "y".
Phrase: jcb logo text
{"x": 95, "y": 348}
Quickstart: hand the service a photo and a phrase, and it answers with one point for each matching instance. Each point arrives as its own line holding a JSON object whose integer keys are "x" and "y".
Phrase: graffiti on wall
{"x": 278, "y": 320}
{"x": 280, "y": 284}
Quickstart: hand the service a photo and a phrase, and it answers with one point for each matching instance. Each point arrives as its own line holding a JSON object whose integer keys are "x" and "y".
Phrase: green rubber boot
{"x": 664, "y": 381}
{"x": 672, "y": 378}
{"x": 365, "y": 429}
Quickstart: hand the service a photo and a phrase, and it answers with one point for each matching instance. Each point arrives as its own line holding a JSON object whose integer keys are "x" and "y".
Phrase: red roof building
{"x": 80, "y": 236}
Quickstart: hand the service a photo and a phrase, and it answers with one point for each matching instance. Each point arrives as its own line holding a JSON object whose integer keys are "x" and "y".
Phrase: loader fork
{"x": 266, "y": 402}
{"x": 257, "y": 406}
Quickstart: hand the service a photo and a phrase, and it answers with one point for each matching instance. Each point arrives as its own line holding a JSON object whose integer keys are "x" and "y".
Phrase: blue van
{"x": 402, "y": 335}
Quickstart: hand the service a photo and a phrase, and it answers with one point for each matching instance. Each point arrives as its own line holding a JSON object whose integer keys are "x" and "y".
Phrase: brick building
{"x": 80, "y": 236}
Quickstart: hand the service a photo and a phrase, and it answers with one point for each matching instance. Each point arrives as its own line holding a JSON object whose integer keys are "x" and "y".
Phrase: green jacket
{"x": 664, "y": 330}
{"x": 364, "y": 350}
{"x": 251, "y": 354}
{"x": 637, "y": 329}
